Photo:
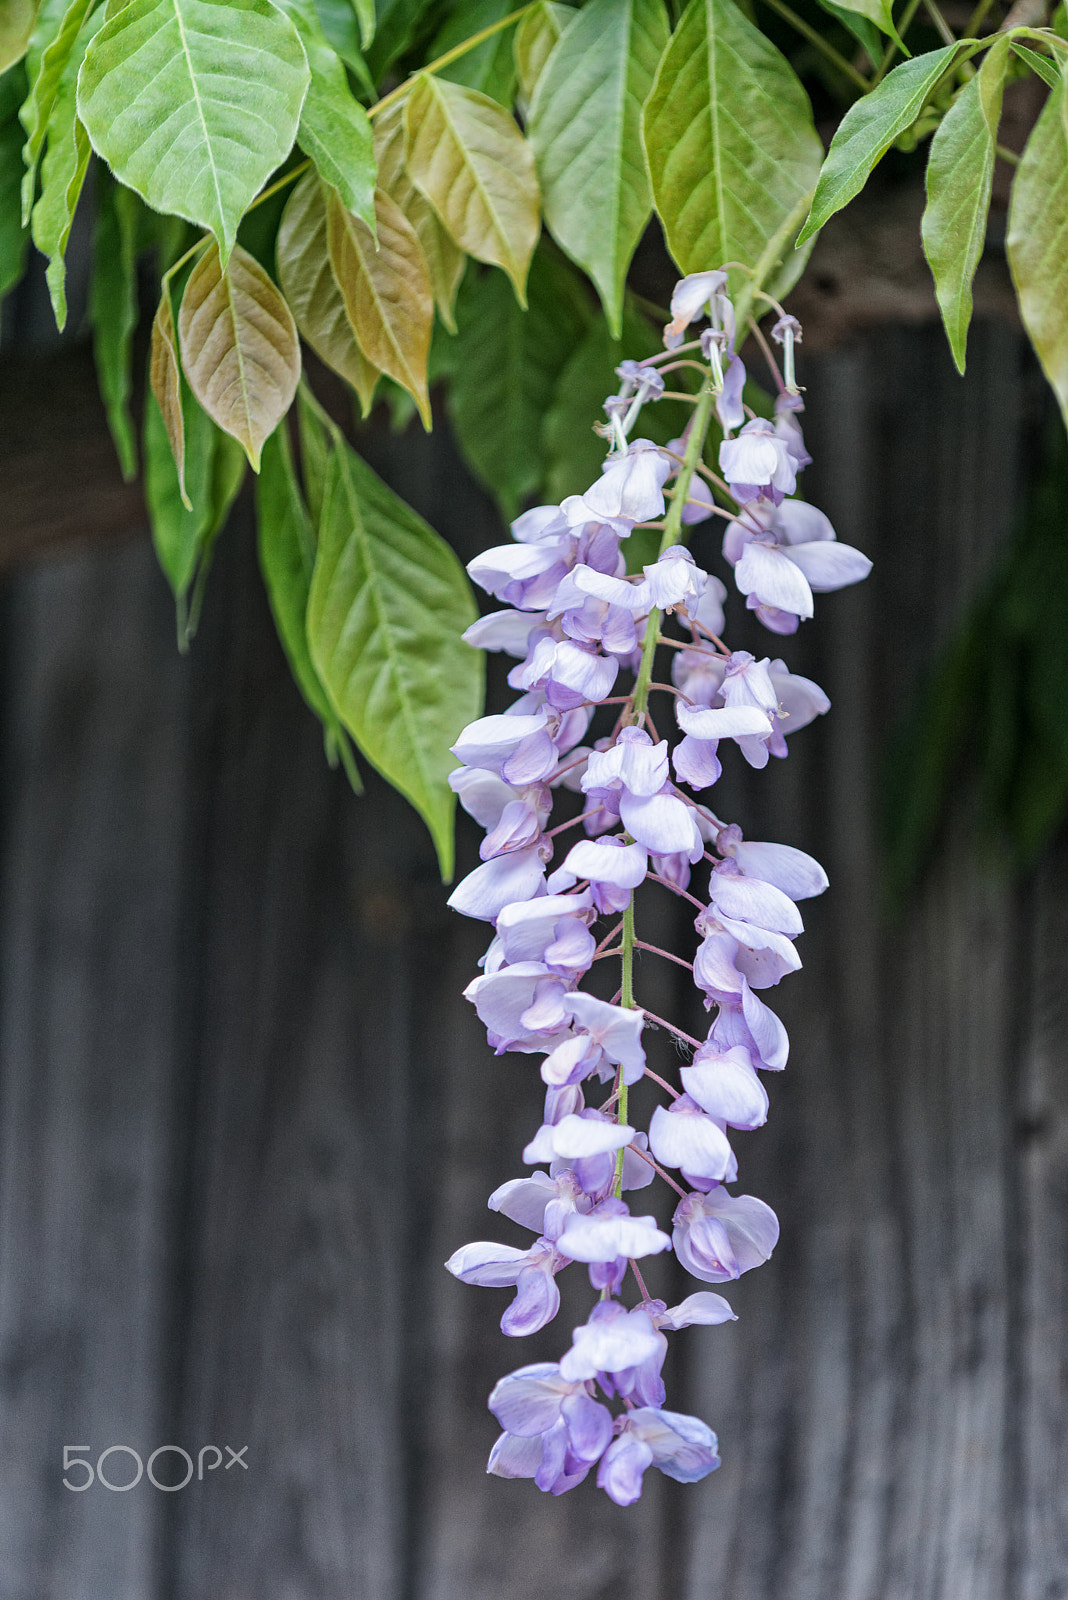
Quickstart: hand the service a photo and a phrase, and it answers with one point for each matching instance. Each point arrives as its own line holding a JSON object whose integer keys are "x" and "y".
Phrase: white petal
{"x": 727, "y": 1088}
{"x": 523, "y": 1200}
{"x": 662, "y": 823}
{"x": 485, "y": 892}
{"x": 690, "y": 1140}
{"x": 482, "y": 794}
{"x": 703, "y": 1309}
{"x": 774, "y": 578}
{"x": 723, "y": 722}
{"x": 502, "y": 630}
{"x": 593, "y": 1238}
{"x": 602, "y": 862}
{"x": 797, "y": 522}
{"x": 491, "y": 1265}
{"x": 795, "y": 873}
{"x": 754, "y": 901}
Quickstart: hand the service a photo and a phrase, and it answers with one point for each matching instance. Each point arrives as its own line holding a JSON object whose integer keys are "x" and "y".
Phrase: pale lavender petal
{"x": 723, "y": 722}
{"x": 769, "y": 1035}
{"x": 493, "y": 1266}
{"x": 829, "y": 565}
{"x": 696, "y": 762}
{"x": 795, "y": 873}
{"x": 753, "y": 900}
{"x": 527, "y": 927}
{"x": 714, "y": 970}
{"x": 684, "y": 1448}
{"x": 703, "y": 1309}
{"x": 589, "y": 1426}
{"x": 482, "y": 794}
{"x": 527, "y": 1402}
{"x": 689, "y": 1139}
{"x": 486, "y": 891}
{"x": 622, "y": 1467}
{"x": 727, "y": 1087}
{"x": 662, "y": 823}
{"x": 798, "y": 522}
{"x": 610, "y": 1344}
{"x": 603, "y": 1238}
{"x": 523, "y": 1200}
{"x": 489, "y": 741}
{"x": 752, "y": 1225}
{"x": 536, "y": 1302}
{"x": 513, "y": 1457}
{"x": 540, "y": 522}
{"x": 573, "y": 1059}
{"x": 602, "y": 861}
{"x": 673, "y": 579}
{"x": 576, "y": 1137}
{"x": 643, "y": 765}
{"x": 617, "y": 1029}
{"x": 774, "y": 578}
{"x": 502, "y": 630}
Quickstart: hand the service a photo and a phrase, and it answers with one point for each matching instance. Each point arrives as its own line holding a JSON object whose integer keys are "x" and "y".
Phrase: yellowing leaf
{"x": 165, "y": 376}
{"x": 239, "y": 345}
{"x": 468, "y": 157}
{"x": 535, "y": 37}
{"x": 386, "y": 291}
{"x": 308, "y": 284}
{"x": 17, "y": 18}
{"x": 1038, "y": 227}
{"x": 445, "y": 260}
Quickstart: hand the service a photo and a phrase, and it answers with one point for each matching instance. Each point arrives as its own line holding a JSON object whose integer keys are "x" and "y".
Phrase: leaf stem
{"x": 450, "y": 56}
{"x": 1007, "y": 155}
{"x": 815, "y": 38}
{"x": 279, "y": 183}
{"x": 944, "y": 30}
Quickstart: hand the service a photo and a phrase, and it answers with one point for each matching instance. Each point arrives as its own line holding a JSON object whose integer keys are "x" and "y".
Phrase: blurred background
{"x": 245, "y": 1113}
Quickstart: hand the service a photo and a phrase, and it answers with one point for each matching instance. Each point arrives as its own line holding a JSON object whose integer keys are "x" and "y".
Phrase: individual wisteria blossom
{"x": 583, "y": 632}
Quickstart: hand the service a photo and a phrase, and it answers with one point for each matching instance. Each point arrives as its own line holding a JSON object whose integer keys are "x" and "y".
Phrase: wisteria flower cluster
{"x": 577, "y": 622}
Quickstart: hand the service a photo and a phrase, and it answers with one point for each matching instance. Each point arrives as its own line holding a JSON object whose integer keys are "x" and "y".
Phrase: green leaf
{"x": 37, "y": 111}
{"x": 960, "y": 170}
{"x": 397, "y": 25}
{"x": 490, "y": 66}
{"x": 63, "y": 169}
{"x": 869, "y": 128}
{"x": 13, "y": 236}
{"x": 194, "y": 103}
{"x": 286, "y": 542}
{"x": 865, "y": 32}
{"x": 444, "y": 259}
{"x": 472, "y": 163}
{"x": 877, "y": 11}
{"x": 309, "y": 286}
{"x": 334, "y": 127}
{"x": 113, "y": 310}
{"x": 1046, "y": 69}
{"x": 316, "y": 435}
{"x": 17, "y": 18}
{"x": 733, "y": 154}
{"x": 184, "y": 539}
{"x": 239, "y": 345}
{"x": 535, "y": 37}
{"x": 505, "y": 366}
{"x": 585, "y": 131}
{"x": 386, "y": 291}
{"x": 340, "y": 27}
{"x": 1038, "y": 226}
{"x": 389, "y": 601}
{"x": 573, "y": 451}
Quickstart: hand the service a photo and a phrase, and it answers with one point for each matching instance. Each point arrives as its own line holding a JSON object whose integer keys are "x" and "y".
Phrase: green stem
{"x": 279, "y": 183}
{"x": 671, "y": 535}
{"x": 976, "y": 20}
{"x": 1008, "y": 155}
{"x": 815, "y": 38}
{"x": 945, "y": 31}
{"x": 450, "y": 56}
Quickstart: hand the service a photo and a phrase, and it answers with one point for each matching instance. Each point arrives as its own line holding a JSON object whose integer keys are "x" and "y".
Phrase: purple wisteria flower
{"x": 583, "y": 634}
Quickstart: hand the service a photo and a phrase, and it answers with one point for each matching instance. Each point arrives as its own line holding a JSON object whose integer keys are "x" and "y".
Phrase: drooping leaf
{"x": 535, "y": 37}
{"x": 165, "y": 380}
{"x": 286, "y": 542}
{"x": 505, "y": 367}
{"x": 317, "y": 434}
{"x": 490, "y": 66}
{"x": 865, "y": 32}
{"x": 960, "y": 171}
{"x": 63, "y": 170}
{"x": 309, "y": 286}
{"x": 869, "y": 128}
{"x": 877, "y": 11}
{"x": 385, "y": 291}
{"x": 334, "y": 128}
{"x": 37, "y": 110}
{"x": 585, "y": 131}
{"x": 398, "y": 23}
{"x": 733, "y": 154}
{"x": 1042, "y": 65}
{"x": 239, "y": 346}
{"x": 444, "y": 259}
{"x": 113, "y": 311}
{"x": 466, "y": 155}
{"x": 17, "y": 18}
{"x": 14, "y": 237}
{"x": 194, "y": 103}
{"x": 1038, "y": 227}
{"x": 389, "y": 601}
{"x": 340, "y": 27}
{"x": 184, "y": 537}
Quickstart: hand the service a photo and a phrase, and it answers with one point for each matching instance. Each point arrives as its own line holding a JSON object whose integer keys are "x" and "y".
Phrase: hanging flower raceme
{"x": 584, "y": 635}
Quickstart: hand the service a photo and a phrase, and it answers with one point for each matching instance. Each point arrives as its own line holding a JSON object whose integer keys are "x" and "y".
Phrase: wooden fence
{"x": 245, "y": 1114}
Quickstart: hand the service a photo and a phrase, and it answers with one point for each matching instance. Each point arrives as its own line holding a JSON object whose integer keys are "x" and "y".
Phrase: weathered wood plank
{"x": 89, "y": 939}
